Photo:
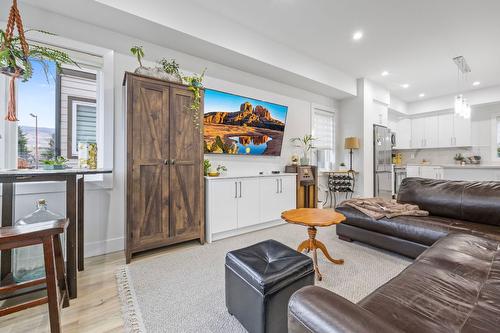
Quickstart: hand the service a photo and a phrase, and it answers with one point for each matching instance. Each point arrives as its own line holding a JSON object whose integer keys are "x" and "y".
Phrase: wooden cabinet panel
{"x": 148, "y": 198}
{"x": 185, "y": 159}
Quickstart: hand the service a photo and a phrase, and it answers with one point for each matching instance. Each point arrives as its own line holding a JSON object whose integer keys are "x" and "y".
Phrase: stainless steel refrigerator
{"x": 382, "y": 162}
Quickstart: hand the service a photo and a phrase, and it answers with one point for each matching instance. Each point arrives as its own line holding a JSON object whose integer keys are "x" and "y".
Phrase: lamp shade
{"x": 351, "y": 143}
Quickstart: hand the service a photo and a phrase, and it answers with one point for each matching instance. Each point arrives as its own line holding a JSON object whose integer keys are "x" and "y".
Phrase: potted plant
{"x": 16, "y": 57}
{"x": 58, "y": 163}
{"x": 171, "y": 70}
{"x": 221, "y": 169}
{"x": 206, "y": 167}
{"x": 459, "y": 158}
{"x": 306, "y": 144}
{"x": 342, "y": 166}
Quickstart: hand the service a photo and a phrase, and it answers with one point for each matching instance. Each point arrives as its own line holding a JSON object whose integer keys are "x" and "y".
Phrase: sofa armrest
{"x": 318, "y": 310}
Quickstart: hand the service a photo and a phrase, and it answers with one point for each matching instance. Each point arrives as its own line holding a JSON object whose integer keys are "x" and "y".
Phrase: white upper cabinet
{"x": 402, "y": 128}
{"x": 417, "y": 132}
{"x": 446, "y": 132}
{"x": 431, "y": 132}
{"x": 462, "y": 129}
{"x": 438, "y": 131}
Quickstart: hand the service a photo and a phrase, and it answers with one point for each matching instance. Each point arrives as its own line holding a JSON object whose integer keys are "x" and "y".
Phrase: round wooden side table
{"x": 312, "y": 218}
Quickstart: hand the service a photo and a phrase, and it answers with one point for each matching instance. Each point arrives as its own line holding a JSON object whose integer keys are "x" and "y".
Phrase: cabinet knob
{"x": 172, "y": 161}
{"x": 165, "y": 162}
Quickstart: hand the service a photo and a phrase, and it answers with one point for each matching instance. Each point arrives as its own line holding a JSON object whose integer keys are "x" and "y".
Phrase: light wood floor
{"x": 97, "y": 308}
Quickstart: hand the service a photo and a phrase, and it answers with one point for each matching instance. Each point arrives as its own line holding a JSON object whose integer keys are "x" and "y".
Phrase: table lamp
{"x": 351, "y": 143}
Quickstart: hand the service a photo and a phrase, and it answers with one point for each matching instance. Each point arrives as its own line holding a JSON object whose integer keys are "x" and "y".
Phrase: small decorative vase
{"x": 304, "y": 160}
{"x": 157, "y": 73}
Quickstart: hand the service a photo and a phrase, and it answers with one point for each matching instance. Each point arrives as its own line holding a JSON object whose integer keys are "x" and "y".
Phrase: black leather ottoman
{"x": 259, "y": 282}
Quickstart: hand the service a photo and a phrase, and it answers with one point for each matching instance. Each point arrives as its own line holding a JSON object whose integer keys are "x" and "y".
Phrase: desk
{"x": 74, "y": 179}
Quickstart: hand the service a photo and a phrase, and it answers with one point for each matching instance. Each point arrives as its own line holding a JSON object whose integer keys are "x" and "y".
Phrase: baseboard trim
{"x": 236, "y": 232}
{"x": 98, "y": 248}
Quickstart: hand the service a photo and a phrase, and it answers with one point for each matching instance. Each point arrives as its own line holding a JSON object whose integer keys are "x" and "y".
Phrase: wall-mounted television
{"x": 238, "y": 125}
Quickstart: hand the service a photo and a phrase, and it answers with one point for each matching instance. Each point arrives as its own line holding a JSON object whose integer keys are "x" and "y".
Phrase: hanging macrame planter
{"x": 13, "y": 69}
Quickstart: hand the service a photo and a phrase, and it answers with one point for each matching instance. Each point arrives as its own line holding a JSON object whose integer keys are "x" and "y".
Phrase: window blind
{"x": 324, "y": 129}
{"x": 86, "y": 123}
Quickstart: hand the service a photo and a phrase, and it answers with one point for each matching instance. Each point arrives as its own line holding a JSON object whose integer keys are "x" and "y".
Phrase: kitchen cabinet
{"x": 424, "y": 132}
{"x": 417, "y": 132}
{"x": 402, "y": 128}
{"x": 238, "y": 205}
{"x": 424, "y": 171}
{"x": 462, "y": 131}
{"x": 454, "y": 131}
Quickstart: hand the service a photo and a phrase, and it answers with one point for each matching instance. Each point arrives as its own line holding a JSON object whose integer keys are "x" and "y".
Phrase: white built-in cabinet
{"x": 432, "y": 131}
{"x": 424, "y": 132}
{"x": 238, "y": 205}
{"x": 425, "y": 171}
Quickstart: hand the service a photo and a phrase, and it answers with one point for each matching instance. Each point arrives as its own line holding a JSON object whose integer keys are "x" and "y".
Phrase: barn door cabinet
{"x": 165, "y": 188}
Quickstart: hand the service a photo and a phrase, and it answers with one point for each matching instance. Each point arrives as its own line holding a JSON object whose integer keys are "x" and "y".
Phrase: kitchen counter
{"x": 458, "y": 166}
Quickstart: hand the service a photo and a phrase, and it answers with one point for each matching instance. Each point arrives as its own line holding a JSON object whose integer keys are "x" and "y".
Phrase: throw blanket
{"x": 379, "y": 208}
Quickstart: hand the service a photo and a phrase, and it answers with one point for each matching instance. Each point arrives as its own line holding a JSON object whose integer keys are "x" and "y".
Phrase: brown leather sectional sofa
{"x": 454, "y": 206}
{"x": 454, "y": 286}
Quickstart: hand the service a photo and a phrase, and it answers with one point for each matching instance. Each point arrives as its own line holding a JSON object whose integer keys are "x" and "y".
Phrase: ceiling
{"x": 413, "y": 40}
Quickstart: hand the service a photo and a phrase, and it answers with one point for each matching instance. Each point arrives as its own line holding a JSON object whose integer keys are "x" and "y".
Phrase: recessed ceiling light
{"x": 476, "y": 83}
{"x": 385, "y": 73}
{"x": 357, "y": 35}
{"x": 405, "y": 85}
{"x": 421, "y": 95}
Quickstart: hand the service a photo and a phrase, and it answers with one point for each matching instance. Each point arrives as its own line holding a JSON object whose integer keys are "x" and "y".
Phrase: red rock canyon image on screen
{"x": 242, "y": 126}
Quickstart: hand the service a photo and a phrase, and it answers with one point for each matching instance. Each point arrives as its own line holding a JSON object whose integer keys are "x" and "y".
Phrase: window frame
{"x": 73, "y": 102}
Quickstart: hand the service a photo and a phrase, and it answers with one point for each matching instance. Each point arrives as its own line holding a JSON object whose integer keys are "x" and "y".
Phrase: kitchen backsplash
{"x": 444, "y": 155}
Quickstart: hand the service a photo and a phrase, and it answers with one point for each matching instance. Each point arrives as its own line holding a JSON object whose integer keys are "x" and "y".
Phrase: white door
{"x": 248, "y": 202}
{"x": 403, "y": 134}
{"x": 223, "y": 208}
{"x": 270, "y": 208}
{"x": 417, "y": 132}
{"x": 287, "y": 194}
{"x": 445, "y": 130}
{"x": 431, "y": 132}
{"x": 462, "y": 131}
{"x": 412, "y": 171}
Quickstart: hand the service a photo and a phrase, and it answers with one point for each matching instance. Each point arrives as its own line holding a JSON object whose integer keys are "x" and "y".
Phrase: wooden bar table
{"x": 74, "y": 180}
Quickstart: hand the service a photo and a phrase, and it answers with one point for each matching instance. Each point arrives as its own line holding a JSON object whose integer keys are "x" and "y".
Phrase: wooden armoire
{"x": 165, "y": 185}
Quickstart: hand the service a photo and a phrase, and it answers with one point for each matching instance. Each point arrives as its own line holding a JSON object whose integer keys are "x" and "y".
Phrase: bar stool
{"x": 47, "y": 234}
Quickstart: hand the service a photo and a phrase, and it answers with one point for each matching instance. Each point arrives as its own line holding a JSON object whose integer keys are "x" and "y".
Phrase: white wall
{"x": 105, "y": 205}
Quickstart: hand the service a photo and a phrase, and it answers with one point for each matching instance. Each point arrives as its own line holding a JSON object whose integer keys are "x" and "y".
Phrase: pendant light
{"x": 461, "y": 106}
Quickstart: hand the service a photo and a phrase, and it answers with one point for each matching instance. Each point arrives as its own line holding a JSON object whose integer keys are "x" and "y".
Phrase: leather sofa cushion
{"x": 461, "y": 200}
{"x": 269, "y": 265}
{"x": 454, "y": 286}
{"x": 423, "y": 230}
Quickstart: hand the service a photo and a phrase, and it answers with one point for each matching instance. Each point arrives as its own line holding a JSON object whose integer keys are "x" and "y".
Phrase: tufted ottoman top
{"x": 269, "y": 265}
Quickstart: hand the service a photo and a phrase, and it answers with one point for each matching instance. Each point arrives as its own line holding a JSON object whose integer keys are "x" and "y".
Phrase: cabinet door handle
{"x": 281, "y": 185}
{"x": 235, "y": 189}
{"x": 277, "y": 186}
{"x": 172, "y": 161}
{"x": 240, "y": 189}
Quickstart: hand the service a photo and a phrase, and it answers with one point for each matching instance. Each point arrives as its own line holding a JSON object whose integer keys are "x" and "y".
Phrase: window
{"x": 83, "y": 123}
{"x": 58, "y": 110}
{"x": 323, "y": 129}
{"x": 36, "y": 102}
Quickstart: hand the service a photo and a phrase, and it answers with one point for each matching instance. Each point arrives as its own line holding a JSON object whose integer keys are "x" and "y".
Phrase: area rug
{"x": 182, "y": 290}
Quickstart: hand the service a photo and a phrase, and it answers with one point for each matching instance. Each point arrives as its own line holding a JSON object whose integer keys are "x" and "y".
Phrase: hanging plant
{"x": 195, "y": 83}
{"x": 16, "y": 56}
